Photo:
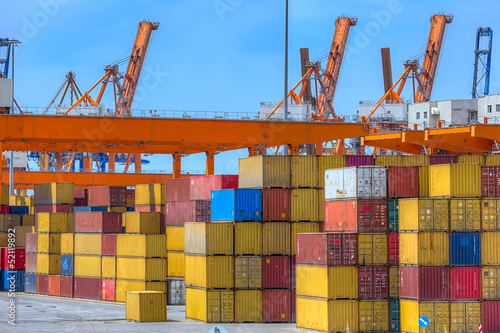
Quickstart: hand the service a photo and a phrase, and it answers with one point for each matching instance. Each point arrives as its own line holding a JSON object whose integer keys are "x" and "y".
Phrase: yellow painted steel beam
{"x": 491, "y": 132}
{"x": 460, "y": 137}
{"x": 418, "y": 137}
{"x": 391, "y": 142}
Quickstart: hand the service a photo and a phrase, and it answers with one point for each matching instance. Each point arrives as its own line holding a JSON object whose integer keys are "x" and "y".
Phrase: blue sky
{"x": 227, "y": 55}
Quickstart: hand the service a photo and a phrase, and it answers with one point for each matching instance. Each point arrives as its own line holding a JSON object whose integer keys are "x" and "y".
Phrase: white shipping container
{"x": 363, "y": 182}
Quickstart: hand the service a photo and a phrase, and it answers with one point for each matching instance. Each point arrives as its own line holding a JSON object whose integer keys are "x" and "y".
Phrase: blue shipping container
{"x": 465, "y": 249}
{"x": 130, "y": 209}
{"x": 87, "y": 209}
{"x": 66, "y": 265}
{"x": 237, "y": 205}
{"x": 12, "y": 279}
{"x": 19, "y": 210}
{"x": 30, "y": 283}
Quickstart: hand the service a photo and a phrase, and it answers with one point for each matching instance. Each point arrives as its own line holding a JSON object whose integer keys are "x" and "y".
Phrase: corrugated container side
{"x": 276, "y": 204}
{"x": 31, "y": 243}
{"x": 424, "y": 283}
{"x": 209, "y": 238}
{"x": 180, "y": 212}
{"x": 372, "y": 249}
{"x": 276, "y": 306}
{"x": 54, "y": 194}
{"x": 115, "y": 196}
{"x": 465, "y": 283}
{"x": 141, "y": 246}
{"x": 247, "y": 238}
{"x": 177, "y": 189}
{"x": 210, "y": 306}
{"x": 327, "y": 249}
{"x": 87, "y": 288}
{"x": 67, "y": 243}
{"x": 108, "y": 290}
{"x": 471, "y": 159}
{"x": 443, "y": 159}
{"x": 356, "y": 215}
{"x": 88, "y": 266}
{"x": 394, "y": 282}
{"x": 490, "y": 214}
{"x": 210, "y": 272}
{"x": 66, "y": 286}
{"x": 394, "y": 316}
{"x": 424, "y": 214}
{"x": 301, "y": 228}
{"x": 98, "y": 222}
{"x": 424, "y": 249}
{"x": 122, "y": 286}
{"x": 276, "y": 272}
{"x": 49, "y": 243}
{"x": 30, "y": 283}
{"x": 489, "y": 248}
{"x": 248, "y": 272}
{"x": 146, "y": 306}
{"x": 248, "y": 306}
{"x": 175, "y": 263}
{"x": 264, "y": 172}
{"x": 276, "y": 238}
{"x": 175, "y": 238}
{"x": 491, "y": 282}
{"x": 465, "y": 214}
{"x": 388, "y": 160}
{"x": 52, "y": 222}
{"x": 402, "y": 181}
{"x": 176, "y": 292}
{"x": 142, "y": 222}
{"x": 201, "y": 187}
{"x": 109, "y": 245}
{"x": 54, "y": 288}
{"x": 359, "y": 160}
{"x": 423, "y": 182}
{"x": 491, "y": 159}
{"x": 455, "y": 180}
{"x": 31, "y": 262}
{"x": 327, "y": 316}
{"x": 304, "y": 205}
{"x": 465, "y": 249}
{"x": 67, "y": 265}
{"x": 143, "y": 269}
{"x": 438, "y": 313}
{"x": 465, "y": 316}
{"x": 326, "y": 162}
{"x": 489, "y": 313}
{"x": 374, "y": 315}
{"x": 415, "y": 160}
{"x": 356, "y": 182}
{"x": 373, "y": 282}
{"x": 393, "y": 242}
{"x": 42, "y": 284}
{"x": 490, "y": 186}
{"x": 237, "y": 205}
{"x": 150, "y": 194}
{"x": 88, "y": 244}
{"x": 108, "y": 267}
{"x": 321, "y": 205}
{"x": 304, "y": 171}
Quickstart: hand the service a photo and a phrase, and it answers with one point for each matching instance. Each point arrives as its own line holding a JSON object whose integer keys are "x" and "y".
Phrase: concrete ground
{"x": 36, "y": 313}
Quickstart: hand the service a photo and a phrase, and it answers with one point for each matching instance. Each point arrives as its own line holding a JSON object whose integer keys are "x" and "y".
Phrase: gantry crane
{"x": 4, "y": 72}
{"x": 482, "y": 59}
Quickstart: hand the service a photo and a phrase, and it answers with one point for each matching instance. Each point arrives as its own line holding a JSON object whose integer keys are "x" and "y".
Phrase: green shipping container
{"x": 394, "y": 316}
{"x": 393, "y": 211}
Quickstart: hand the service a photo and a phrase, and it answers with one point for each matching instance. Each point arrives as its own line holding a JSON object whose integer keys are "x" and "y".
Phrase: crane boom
{"x": 4, "y": 42}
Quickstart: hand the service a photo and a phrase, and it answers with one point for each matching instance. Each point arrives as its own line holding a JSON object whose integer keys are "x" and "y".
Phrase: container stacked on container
{"x": 150, "y": 198}
{"x": 30, "y": 262}
{"x": 53, "y": 198}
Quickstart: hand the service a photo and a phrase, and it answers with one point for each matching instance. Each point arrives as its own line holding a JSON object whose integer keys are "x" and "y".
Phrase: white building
{"x": 394, "y": 112}
{"x": 456, "y": 112}
{"x": 489, "y": 107}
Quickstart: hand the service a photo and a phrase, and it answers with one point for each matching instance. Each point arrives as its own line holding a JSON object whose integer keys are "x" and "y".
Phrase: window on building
{"x": 497, "y": 108}
{"x": 425, "y": 115}
{"x": 389, "y": 111}
{"x": 418, "y": 115}
{"x": 489, "y": 109}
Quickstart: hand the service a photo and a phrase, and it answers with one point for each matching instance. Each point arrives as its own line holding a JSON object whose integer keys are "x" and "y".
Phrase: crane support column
{"x": 293, "y": 150}
{"x": 252, "y": 152}
{"x": 387, "y": 70}
{"x": 176, "y": 168}
{"x": 137, "y": 160}
{"x": 210, "y": 165}
{"x": 111, "y": 161}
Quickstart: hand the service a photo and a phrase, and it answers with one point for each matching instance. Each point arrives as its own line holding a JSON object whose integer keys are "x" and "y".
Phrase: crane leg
{"x": 138, "y": 165}
{"x": 209, "y": 170}
{"x": 176, "y": 168}
{"x": 111, "y": 161}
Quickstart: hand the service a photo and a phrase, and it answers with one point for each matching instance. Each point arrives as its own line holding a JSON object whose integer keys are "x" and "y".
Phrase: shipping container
{"x": 42, "y": 284}
{"x": 175, "y": 238}
{"x": 354, "y": 216}
{"x": 88, "y": 209}
{"x": 19, "y": 210}
{"x": 66, "y": 286}
{"x": 209, "y": 238}
{"x": 465, "y": 316}
{"x": 48, "y": 264}
{"x": 356, "y": 182}
{"x": 108, "y": 245}
{"x": 438, "y": 313}
{"x": 67, "y": 265}
{"x": 179, "y": 212}
{"x": 12, "y": 281}
{"x": 209, "y": 272}
{"x": 373, "y": 315}
{"x": 490, "y": 255}
{"x": 67, "y": 243}
{"x": 304, "y": 205}
{"x": 201, "y": 187}
{"x": 98, "y": 222}
{"x": 465, "y": 249}
{"x": 54, "y": 194}
{"x": 30, "y": 283}
{"x": 88, "y": 266}
{"x": 492, "y": 159}
{"x": 424, "y": 283}
{"x": 415, "y": 160}
{"x": 142, "y": 222}
{"x": 31, "y": 262}
{"x": 402, "y": 181}
{"x": 393, "y": 215}
{"x": 327, "y": 249}
{"x": 144, "y": 269}
{"x": 176, "y": 292}
{"x": 424, "y": 214}
{"x": 88, "y": 244}
{"x": 8, "y": 221}
{"x": 87, "y": 288}
{"x": 237, "y": 205}
{"x": 122, "y": 286}
{"x": 175, "y": 263}
{"x": 54, "y": 287}
{"x": 394, "y": 316}
{"x": 465, "y": 283}
{"x": 471, "y": 159}
{"x": 49, "y": 243}
{"x": 394, "y": 282}
{"x": 388, "y": 160}
{"x": 276, "y": 306}
{"x": 265, "y": 172}
{"x": 141, "y": 246}
{"x": 321, "y": 205}
{"x": 248, "y": 272}
{"x": 177, "y": 189}
{"x": 372, "y": 249}
{"x": 115, "y": 196}
{"x": 359, "y": 160}
{"x": 373, "y": 282}
{"x": 108, "y": 290}
{"x": 28, "y": 220}
{"x": 108, "y": 268}
{"x": 443, "y": 159}
{"x": 12, "y": 258}
{"x": 327, "y": 282}
{"x": 3, "y": 239}
{"x": 276, "y": 204}
{"x": 304, "y": 171}
{"x": 423, "y": 182}
{"x": 276, "y": 238}
{"x": 80, "y": 196}
{"x": 53, "y": 222}
{"x": 491, "y": 282}
{"x": 150, "y": 194}
{"x": 146, "y": 306}
{"x": 393, "y": 242}
{"x": 465, "y": 214}
{"x": 248, "y": 306}
{"x": 276, "y": 272}
{"x": 118, "y": 209}
{"x": 489, "y": 315}
{"x": 301, "y": 228}
{"x": 20, "y": 240}
{"x": 490, "y": 214}
{"x": 247, "y": 238}
{"x": 490, "y": 185}
{"x": 327, "y": 315}
{"x": 210, "y": 306}
{"x": 455, "y": 180}
{"x": 326, "y": 162}
{"x": 424, "y": 249}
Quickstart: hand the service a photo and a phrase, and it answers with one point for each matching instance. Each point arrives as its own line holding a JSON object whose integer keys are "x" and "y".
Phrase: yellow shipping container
{"x": 141, "y": 246}
{"x": 117, "y": 209}
{"x": 248, "y": 272}
{"x": 67, "y": 243}
{"x": 465, "y": 316}
{"x": 144, "y": 269}
{"x": 423, "y": 182}
{"x": 54, "y": 194}
{"x": 394, "y": 282}
{"x": 491, "y": 282}
{"x": 175, "y": 238}
{"x": 372, "y": 249}
{"x": 424, "y": 214}
{"x": 327, "y": 315}
{"x": 209, "y": 238}
{"x": 28, "y": 220}
{"x": 490, "y": 253}
{"x": 247, "y": 238}
{"x": 4, "y": 240}
{"x": 264, "y": 172}
{"x": 5, "y": 195}
{"x": 21, "y": 235}
{"x": 465, "y": 214}
{"x": 53, "y": 222}
{"x": 89, "y": 244}
{"x": 415, "y": 160}
{"x": 304, "y": 171}
{"x": 146, "y": 306}
{"x": 424, "y": 249}
{"x": 304, "y": 205}
{"x": 321, "y": 205}
{"x": 471, "y": 159}
{"x": 493, "y": 160}
{"x": 373, "y": 315}
{"x": 327, "y": 282}
{"x": 49, "y": 243}
{"x": 142, "y": 222}
{"x": 108, "y": 270}
{"x": 209, "y": 272}
{"x": 301, "y": 228}
{"x": 122, "y": 286}
{"x": 455, "y": 180}
{"x": 210, "y": 306}
{"x": 438, "y": 313}
{"x": 490, "y": 214}
{"x": 276, "y": 238}
{"x": 175, "y": 264}
{"x": 248, "y": 306}
{"x": 49, "y": 264}
{"x": 150, "y": 194}
{"x": 8, "y": 221}
{"x": 388, "y": 160}
{"x": 326, "y": 162}
{"x": 88, "y": 266}
{"x": 71, "y": 222}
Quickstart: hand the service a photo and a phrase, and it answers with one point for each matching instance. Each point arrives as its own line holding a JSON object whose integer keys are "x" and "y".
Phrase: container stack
{"x": 150, "y": 198}
{"x": 12, "y": 268}
{"x": 53, "y": 198}
{"x": 30, "y": 266}
{"x": 112, "y": 198}
{"x": 81, "y": 197}
{"x": 130, "y": 200}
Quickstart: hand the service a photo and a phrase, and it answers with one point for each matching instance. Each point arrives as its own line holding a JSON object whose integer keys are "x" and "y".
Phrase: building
{"x": 392, "y": 112}
{"x": 489, "y": 107}
{"x": 455, "y": 112}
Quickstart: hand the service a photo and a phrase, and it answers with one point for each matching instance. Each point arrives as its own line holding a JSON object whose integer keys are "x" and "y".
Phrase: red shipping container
{"x": 276, "y": 272}
{"x": 54, "y": 282}
{"x": 51, "y": 209}
{"x": 108, "y": 290}
{"x": 424, "y": 283}
{"x": 42, "y": 284}
{"x": 31, "y": 243}
{"x": 180, "y": 212}
{"x": 66, "y": 286}
{"x": 98, "y": 222}
{"x": 4, "y": 210}
{"x": 202, "y": 186}
{"x": 31, "y": 263}
{"x": 356, "y": 215}
{"x": 109, "y": 244}
{"x": 402, "y": 182}
{"x": 331, "y": 249}
{"x": 490, "y": 312}
{"x": 490, "y": 181}
{"x": 373, "y": 282}
{"x": 276, "y": 204}
{"x": 177, "y": 189}
{"x": 80, "y": 197}
{"x": 276, "y": 306}
{"x": 149, "y": 208}
{"x": 359, "y": 160}
{"x": 443, "y": 159}
{"x": 294, "y": 306}
{"x": 88, "y": 288}
{"x": 13, "y": 260}
{"x": 163, "y": 227}
{"x": 106, "y": 196}
{"x": 394, "y": 248}
{"x": 465, "y": 283}
{"x": 294, "y": 269}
